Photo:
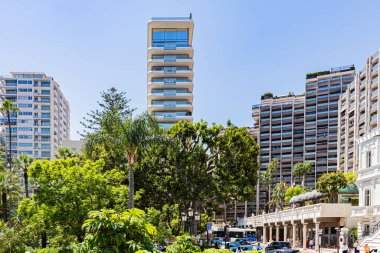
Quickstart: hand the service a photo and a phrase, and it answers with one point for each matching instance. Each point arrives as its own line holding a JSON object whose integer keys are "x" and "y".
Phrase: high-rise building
{"x": 358, "y": 107}
{"x": 170, "y": 70}
{"x": 43, "y": 119}
{"x": 280, "y": 121}
{"x": 302, "y": 128}
{"x": 323, "y": 90}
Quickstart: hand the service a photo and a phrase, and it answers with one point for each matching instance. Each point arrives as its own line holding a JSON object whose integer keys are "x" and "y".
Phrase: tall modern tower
{"x": 170, "y": 70}
{"x": 43, "y": 119}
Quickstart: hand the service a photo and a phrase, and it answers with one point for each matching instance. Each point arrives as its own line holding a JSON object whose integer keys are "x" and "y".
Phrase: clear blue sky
{"x": 242, "y": 48}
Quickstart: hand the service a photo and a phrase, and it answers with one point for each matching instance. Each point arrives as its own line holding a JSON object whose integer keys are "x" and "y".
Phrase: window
{"x": 28, "y": 129}
{"x": 367, "y": 197}
{"x": 369, "y": 159}
{"x": 24, "y": 81}
{"x": 45, "y": 84}
{"x": 45, "y": 115}
{"x": 25, "y": 113}
{"x": 25, "y": 144}
{"x": 45, "y": 130}
{"x": 25, "y": 105}
{"x": 45, "y": 99}
{"x": 45, "y": 146}
{"x": 25, "y": 97}
{"x": 26, "y": 152}
{"x": 25, "y": 137}
{"x": 25, "y": 90}
{"x": 45, "y": 107}
{"x": 179, "y": 37}
{"x": 45, "y": 92}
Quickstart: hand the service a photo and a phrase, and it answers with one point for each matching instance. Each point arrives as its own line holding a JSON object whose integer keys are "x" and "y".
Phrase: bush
{"x": 217, "y": 251}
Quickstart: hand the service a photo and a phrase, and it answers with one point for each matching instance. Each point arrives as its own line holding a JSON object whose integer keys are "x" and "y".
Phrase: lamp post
{"x": 192, "y": 218}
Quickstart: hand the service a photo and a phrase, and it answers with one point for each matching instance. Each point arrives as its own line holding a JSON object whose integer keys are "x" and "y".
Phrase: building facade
{"x": 358, "y": 110}
{"x": 280, "y": 121}
{"x": 170, "y": 70}
{"x": 43, "y": 120}
{"x": 323, "y": 90}
{"x": 75, "y": 146}
{"x": 368, "y": 181}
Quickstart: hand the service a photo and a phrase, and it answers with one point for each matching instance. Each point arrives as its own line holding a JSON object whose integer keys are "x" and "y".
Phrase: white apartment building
{"x": 43, "y": 120}
{"x": 368, "y": 211}
{"x": 170, "y": 70}
{"x": 358, "y": 113}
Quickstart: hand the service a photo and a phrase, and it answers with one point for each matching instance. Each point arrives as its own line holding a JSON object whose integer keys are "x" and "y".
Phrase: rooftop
{"x": 332, "y": 70}
{"x": 189, "y": 18}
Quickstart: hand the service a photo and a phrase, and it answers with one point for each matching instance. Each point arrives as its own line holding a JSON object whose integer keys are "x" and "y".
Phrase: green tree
{"x": 108, "y": 231}
{"x": 70, "y": 190}
{"x": 10, "y": 240}
{"x": 330, "y": 183}
{"x": 65, "y": 153}
{"x": 301, "y": 170}
{"x": 7, "y": 108}
{"x": 22, "y": 163}
{"x": 99, "y": 129}
{"x": 351, "y": 177}
{"x": 183, "y": 245}
{"x": 293, "y": 191}
{"x": 272, "y": 168}
{"x": 278, "y": 195}
{"x": 10, "y": 186}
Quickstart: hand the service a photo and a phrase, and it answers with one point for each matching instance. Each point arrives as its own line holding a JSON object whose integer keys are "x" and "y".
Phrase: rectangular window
{"x": 28, "y": 129}
{"x": 25, "y": 152}
{"x": 24, "y": 81}
{"x": 45, "y": 92}
{"x": 45, "y": 107}
{"x": 25, "y": 113}
{"x": 45, "y": 115}
{"x": 45, "y": 146}
{"x": 367, "y": 197}
{"x": 45, "y": 130}
{"x": 369, "y": 159}
{"x": 25, "y": 144}
{"x": 25, "y": 105}
{"x": 25, "y": 97}
{"x": 45, "y": 100}
{"x": 25, "y": 90}
{"x": 45, "y": 84}
{"x": 25, "y": 137}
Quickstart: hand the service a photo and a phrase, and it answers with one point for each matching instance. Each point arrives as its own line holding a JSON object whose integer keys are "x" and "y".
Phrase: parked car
{"x": 276, "y": 245}
{"x": 284, "y": 251}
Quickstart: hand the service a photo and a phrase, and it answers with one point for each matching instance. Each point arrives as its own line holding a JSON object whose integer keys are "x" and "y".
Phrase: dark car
{"x": 276, "y": 245}
{"x": 284, "y": 251}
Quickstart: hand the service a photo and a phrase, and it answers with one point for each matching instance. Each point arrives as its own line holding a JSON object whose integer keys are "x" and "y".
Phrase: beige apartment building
{"x": 358, "y": 113}
{"x": 43, "y": 120}
{"x": 170, "y": 70}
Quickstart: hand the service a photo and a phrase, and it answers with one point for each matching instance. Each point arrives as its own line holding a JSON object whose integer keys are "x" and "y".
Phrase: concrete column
{"x": 285, "y": 232}
{"x": 294, "y": 230}
{"x": 277, "y": 232}
{"x": 304, "y": 235}
{"x": 270, "y": 233}
{"x": 316, "y": 240}
{"x": 360, "y": 230}
{"x": 329, "y": 236}
{"x": 264, "y": 234}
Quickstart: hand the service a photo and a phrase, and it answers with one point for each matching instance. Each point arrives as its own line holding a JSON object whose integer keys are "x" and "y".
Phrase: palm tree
{"x": 7, "y": 107}
{"x": 64, "y": 153}
{"x": 23, "y": 162}
{"x": 266, "y": 180}
{"x": 134, "y": 134}
{"x": 302, "y": 169}
{"x": 10, "y": 186}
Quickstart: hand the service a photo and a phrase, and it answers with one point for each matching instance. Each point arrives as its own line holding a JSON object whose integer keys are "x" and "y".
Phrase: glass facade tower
{"x": 170, "y": 70}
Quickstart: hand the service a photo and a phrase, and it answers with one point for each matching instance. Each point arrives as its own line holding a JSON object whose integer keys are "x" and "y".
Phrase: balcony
{"x": 365, "y": 211}
{"x": 170, "y": 60}
{"x": 374, "y": 82}
{"x": 375, "y": 70}
{"x": 170, "y": 94}
{"x": 170, "y": 105}
{"x": 170, "y": 49}
{"x": 170, "y": 82}
{"x": 172, "y": 72}
{"x": 374, "y": 94}
{"x": 172, "y": 116}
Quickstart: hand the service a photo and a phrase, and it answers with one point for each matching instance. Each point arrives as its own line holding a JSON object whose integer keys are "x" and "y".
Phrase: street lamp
{"x": 192, "y": 218}
{"x": 190, "y": 212}
{"x": 197, "y": 216}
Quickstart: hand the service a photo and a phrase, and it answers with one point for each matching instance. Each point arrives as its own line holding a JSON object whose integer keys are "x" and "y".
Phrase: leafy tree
{"x": 10, "y": 240}
{"x": 351, "y": 177}
{"x": 330, "y": 183}
{"x": 99, "y": 132}
{"x": 10, "y": 186}
{"x": 293, "y": 191}
{"x": 302, "y": 169}
{"x": 236, "y": 164}
{"x": 70, "y": 190}
{"x": 65, "y": 153}
{"x": 278, "y": 195}
{"x": 267, "y": 177}
{"x": 108, "y": 231}
{"x": 183, "y": 245}
{"x": 22, "y": 163}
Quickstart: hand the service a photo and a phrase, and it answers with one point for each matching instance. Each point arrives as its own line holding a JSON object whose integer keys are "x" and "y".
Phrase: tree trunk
{"x": 26, "y": 182}
{"x": 131, "y": 186}
{"x": 10, "y": 140}
{"x": 258, "y": 198}
{"x": 43, "y": 240}
{"x": 4, "y": 207}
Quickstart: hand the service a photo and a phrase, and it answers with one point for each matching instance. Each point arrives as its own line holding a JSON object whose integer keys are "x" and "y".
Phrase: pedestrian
{"x": 238, "y": 250}
{"x": 216, "y": 246}
{"x": 356, "y": 247}
{"x": 366, "y": 249}
{"x": 344, "y": 248}
{"x": 311, "y": 243}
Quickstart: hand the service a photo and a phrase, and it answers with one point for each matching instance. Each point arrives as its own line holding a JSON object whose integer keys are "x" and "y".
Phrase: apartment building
{"x": 43, "y": 120}
{"x": 170, "y": 70}
{"x": 358, "y": 110}
{"x": 280, "y": 121}
{"x": 323, "y": 90}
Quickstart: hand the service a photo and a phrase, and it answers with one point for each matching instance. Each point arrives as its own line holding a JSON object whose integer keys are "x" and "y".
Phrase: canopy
{"x": 307, "y": 196}
{"x": 349, "y": 189}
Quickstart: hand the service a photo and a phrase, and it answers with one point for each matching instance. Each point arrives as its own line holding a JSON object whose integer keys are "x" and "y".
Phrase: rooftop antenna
{"x": 191, "y": 16}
